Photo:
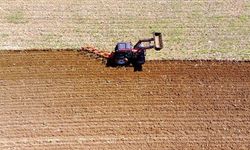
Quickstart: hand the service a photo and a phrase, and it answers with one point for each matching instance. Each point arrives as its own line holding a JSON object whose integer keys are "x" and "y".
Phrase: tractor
{"x": 125, "y": 54}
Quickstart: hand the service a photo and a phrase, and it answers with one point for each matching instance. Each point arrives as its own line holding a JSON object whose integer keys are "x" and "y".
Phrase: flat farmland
{"x": 200, "y": 29}
{"x": 66, "y": 100}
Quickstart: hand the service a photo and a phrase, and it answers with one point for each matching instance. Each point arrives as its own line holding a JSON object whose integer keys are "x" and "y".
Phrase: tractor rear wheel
{"x": 137, "y": 67}
{"x": 109, "y": 63}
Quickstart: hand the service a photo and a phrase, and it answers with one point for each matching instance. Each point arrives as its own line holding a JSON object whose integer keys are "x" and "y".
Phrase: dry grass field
{"x": 198, "y": 29}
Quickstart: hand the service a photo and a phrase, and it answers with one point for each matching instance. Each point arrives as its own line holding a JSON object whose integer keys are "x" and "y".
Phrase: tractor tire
{"x": 137, "y": 67}
{"x": 109, "y": 63}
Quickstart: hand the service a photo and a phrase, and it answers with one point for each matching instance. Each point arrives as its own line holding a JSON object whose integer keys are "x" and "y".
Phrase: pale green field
{"x": 196, "y": 29}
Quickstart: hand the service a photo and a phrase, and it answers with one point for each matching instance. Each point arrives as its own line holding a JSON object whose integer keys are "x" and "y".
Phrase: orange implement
{"x": 100, "y": 53}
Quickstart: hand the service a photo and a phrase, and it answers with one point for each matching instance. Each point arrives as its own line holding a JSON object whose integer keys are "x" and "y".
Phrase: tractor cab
{"x": 123, "y": 53}
{"x": 123, "y": 46}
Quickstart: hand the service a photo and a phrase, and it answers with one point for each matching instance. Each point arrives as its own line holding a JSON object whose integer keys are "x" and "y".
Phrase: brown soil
{"x": 67, "y": 100}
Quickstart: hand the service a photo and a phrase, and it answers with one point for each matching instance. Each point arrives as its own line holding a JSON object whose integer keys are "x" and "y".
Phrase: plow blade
{"x": 158, "y": 41}
{"x": 98, "y": 53}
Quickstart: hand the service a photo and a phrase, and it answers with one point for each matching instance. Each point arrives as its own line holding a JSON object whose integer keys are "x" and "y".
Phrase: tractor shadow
{"x": 137, "y": 68}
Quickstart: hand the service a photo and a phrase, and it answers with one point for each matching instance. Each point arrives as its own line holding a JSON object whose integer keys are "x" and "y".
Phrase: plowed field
{"x": 67, "y": 100}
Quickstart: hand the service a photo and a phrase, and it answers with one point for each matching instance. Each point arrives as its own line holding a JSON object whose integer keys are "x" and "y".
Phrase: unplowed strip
{"x": 67, "y": 100}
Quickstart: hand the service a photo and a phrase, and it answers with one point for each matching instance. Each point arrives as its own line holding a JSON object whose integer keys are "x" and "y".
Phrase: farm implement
{"x": 125, "y": 54}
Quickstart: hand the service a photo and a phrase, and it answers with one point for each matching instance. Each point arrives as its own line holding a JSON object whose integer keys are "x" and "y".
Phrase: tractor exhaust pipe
{"x": 158, "y": 41}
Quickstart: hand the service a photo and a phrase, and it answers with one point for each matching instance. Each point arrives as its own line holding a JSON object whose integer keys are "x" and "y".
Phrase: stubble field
{"x": 66, "y": 100}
